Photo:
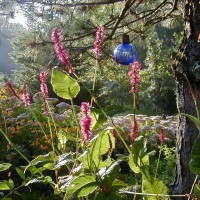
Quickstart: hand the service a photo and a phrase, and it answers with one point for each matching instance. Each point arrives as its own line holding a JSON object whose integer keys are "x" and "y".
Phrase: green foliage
{"x": 4, "y": 186}
{"x": 157, "y": 83}
{"x": 197, "y": 191}
{"x": 41, "y": 159}
{"x": 103, "y": 143}
{"x": 106, "y": 175}
{"x": 81, "y": 186}
{"x": 195, "y": 160}
{"x": 64, "y": 85}
{"x": 4, "y": 166}
{"x": 154, "y": 186}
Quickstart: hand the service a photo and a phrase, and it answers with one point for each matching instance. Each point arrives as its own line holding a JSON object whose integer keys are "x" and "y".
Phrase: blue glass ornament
{"x": 125, "y": 53}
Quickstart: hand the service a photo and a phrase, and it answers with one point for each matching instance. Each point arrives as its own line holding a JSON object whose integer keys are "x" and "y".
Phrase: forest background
{"x": 33, "y": 52}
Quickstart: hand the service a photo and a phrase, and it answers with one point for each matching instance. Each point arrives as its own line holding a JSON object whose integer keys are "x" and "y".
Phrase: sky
{"x": 19, "y": 18}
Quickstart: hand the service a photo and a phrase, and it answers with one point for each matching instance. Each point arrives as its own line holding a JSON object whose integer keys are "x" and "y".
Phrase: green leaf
{"x": 139, "y": 157}
{"x": 4, "y": 166}
{"x": 138, "y": 148}
{"x": 42, "y": 158}
{"x": 46, "y": 179}
{"x": 99, "y": 146}
{"x": 63, "y": 159}
{"x": 4, "y": 186}
{"x": 33, "y": 170}
{"x": 195, "y": 159}
{"x": 119, "y": 183}
{"x": 107, "y": 175}
{"x": 95, "y": 117}
{"x": 20, "y": 173}
{"x": 105, "y": 163}
{"x": 64, "y": 85}
{"x": 197, "y": 191}
{"x": 11, "y": 184}
{"x": 153, "y": 186}
{"x": 132, "y": 165}
{"x": 6, "y": 198}
{"x": 49, "y": 166}
{"x": 87, "y": 189}
{"x": 78, "y": 183}
{"x": 62, "y": 138}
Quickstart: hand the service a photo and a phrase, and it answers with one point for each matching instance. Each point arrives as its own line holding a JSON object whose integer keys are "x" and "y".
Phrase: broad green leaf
{"x": 137, "y": 147}
{"x": 33, "y": 170}
{"x": 49, "y": 166}
{"x": 20, "y": 172}
{"x": 99, "y": 146}
{"x": 139, "y": 150}
{"x": 11, "y": 184}
{"x": 64, "y": 85}
{"x": 197, "y": 191}
{"x": 132, "y": 165}
{"x": 4, "y": 166}
{"x": 86, "y": 190}
{"x": 4, "y": 186}
{"x": 95, "y": 117}
{"x": 62, "y": 138}
{"x": 46, "y": 179}
{"x": 119, "y": 183}
{"x": 6, "y": 198}
{"x": 195, "y": 160}
{"x": 78, "y": 183}
{"x": 153, "y": 186}
{"x": 107, "y": 175}
{"x": 64, "y": 159}
{"x": 105, "y": 163}
{"x": 42, "y": 158}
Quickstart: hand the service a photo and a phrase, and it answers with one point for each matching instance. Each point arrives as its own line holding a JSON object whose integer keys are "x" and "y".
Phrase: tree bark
{"x": 186, "y": 67}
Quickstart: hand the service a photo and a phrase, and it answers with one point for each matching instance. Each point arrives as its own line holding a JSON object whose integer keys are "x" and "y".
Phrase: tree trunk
{"x": 186, "y": 67}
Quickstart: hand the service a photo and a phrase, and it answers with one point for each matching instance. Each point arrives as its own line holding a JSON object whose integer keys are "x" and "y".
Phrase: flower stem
{"x": 12, "y": 145}
{"x": 158, "y": 161}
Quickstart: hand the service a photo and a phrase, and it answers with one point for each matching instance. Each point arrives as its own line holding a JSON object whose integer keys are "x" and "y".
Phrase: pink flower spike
{"x": 44, "y": 90}
{"x": 98, "y": 42}
{"x": 135, "y": 78}
{"x": 86, "y": 122}
{"x": 134, "y": 130}
{"x": 60, "y": 51}
{"x": 43, "y": 85}
{"x": 25, "y": 95}
{"x": 162, "y": 136}
{"x": 43, "y": 77}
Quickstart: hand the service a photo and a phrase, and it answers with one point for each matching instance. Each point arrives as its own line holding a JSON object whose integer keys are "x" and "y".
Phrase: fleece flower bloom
{"x": 134, "y": 130}
{"x": 98, "y": 42}
{"x": 162, "y": 136}
{"x": 60, "y": 51}
{"x": 44, "y": 90}
{"x": 25, "y": 95}
{"x": 135, "y": 78}
{"x": 86, "y": 122}
{"x": 43, "y": 85}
